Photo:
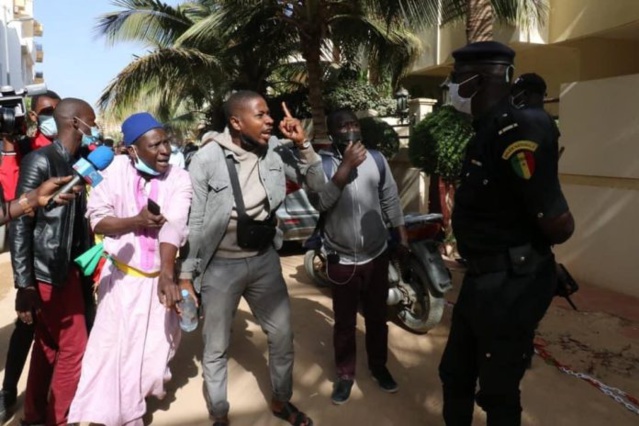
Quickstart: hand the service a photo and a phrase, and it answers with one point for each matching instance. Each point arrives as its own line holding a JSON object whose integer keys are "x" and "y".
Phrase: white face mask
{"x": 47, "y": 126}
{"x": 458, "y": 102}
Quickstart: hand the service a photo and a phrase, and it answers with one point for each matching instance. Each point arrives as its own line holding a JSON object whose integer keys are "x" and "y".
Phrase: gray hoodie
{"x": 356, "y": 216}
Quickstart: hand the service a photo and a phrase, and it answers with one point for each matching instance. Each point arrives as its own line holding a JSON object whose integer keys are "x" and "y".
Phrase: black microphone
{"x": 86, "y": 171}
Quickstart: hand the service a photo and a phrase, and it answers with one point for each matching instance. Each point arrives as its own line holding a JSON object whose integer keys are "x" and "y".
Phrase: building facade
{"x": 20, "y": 48}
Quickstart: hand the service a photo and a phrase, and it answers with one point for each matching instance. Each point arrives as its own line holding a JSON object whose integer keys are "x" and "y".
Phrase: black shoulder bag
{"x": 251, "y": 234}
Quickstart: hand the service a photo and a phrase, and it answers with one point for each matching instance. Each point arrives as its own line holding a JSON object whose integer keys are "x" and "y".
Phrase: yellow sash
{"x": 134, "y": 272}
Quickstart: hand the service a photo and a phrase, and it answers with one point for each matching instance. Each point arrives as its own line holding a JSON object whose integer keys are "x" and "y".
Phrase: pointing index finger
{"x": 287, "y": 113}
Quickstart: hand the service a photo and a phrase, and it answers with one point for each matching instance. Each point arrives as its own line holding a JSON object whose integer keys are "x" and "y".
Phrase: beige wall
{"x": 600, "y": 176}
{"x": 570, "y": 19}
{"x": 580, "y": 60}
{"x": 602, "y": 58}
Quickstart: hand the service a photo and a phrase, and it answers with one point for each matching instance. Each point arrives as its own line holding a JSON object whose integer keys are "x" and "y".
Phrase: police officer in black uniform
{"x": 509, "y": 211}
{"x": 529, "y": 91}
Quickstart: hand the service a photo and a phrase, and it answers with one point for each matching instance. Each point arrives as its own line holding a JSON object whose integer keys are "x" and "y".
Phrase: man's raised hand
{"x": 291, "y": 127}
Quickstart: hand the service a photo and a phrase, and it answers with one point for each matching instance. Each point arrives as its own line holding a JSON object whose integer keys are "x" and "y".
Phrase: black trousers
{"x": 491, "y": 341}
{"x": 19, "y": 347}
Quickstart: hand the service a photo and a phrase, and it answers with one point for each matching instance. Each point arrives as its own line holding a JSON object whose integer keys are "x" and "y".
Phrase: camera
{"x": 13, "y": 108}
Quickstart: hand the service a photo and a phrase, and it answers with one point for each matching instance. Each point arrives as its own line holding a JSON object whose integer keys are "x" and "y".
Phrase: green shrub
{"x": 438, "y": 143}
{"x": 358, "y": 96}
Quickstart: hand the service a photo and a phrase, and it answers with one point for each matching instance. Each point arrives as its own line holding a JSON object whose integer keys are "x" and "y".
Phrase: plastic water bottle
{"x": 189, "y": 318}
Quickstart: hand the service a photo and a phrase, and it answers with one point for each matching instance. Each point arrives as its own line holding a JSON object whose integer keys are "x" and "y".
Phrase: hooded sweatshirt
{"x": 253, "y": 194}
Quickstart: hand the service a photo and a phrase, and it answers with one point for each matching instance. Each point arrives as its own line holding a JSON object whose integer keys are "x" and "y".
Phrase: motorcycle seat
{"x": 417, "y": 219}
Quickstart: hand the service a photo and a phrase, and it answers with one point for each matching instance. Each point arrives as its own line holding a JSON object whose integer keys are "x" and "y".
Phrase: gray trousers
{"x": 259, "y": 280}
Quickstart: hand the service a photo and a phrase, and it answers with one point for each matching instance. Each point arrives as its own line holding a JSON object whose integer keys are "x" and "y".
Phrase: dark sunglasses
{"x": 46, "y": 111}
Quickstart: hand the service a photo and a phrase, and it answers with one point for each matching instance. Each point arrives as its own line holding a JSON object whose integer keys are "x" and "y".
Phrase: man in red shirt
{"x": 42, "y": 107}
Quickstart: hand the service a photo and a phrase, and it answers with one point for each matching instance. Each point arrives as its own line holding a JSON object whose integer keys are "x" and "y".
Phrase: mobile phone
{"x": 153, "y": 207}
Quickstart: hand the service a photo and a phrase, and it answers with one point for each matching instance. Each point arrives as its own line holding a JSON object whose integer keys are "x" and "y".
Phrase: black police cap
{"x": 490, "y": 52}
{"x": 531, "y": 82}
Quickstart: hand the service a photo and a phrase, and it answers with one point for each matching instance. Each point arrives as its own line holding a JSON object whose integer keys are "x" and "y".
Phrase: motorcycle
{"x": 416, "y": 286}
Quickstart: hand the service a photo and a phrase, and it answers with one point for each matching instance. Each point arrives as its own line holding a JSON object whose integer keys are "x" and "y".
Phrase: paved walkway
{"x": 550, "y": 397}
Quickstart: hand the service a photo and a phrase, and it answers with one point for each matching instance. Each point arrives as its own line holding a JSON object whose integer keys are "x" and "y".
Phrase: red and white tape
{"x": 623, "y": 398}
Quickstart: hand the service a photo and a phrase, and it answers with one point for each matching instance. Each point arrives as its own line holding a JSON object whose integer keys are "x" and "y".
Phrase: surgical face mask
{"x": 341, "y": 140}
{"x": 458, "y": 102}
{"x": 93, "y": 137}
{"x": 47, "y": 126}
{"x": 142, "y": 167}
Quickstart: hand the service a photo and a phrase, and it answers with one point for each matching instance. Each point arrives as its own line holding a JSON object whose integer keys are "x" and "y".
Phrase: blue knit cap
{"x": 137, "y": 125}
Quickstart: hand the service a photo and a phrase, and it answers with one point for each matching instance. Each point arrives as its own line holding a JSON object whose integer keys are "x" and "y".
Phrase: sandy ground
{"x": 602, "y": 340}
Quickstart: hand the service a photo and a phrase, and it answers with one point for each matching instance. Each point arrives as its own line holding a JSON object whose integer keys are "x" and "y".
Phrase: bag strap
{"x": 235, "y": 184}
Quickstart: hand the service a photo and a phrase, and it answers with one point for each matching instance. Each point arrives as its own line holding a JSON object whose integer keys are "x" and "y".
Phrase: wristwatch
{"x": 306, "y": 144}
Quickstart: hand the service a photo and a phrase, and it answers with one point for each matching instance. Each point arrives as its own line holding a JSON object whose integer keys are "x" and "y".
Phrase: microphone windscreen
{"x": 101, "y": 157}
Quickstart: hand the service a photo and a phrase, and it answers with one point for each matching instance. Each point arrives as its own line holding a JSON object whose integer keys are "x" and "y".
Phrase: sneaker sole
{"x": 394, "y": 390}
{"x": 339, "y": 402}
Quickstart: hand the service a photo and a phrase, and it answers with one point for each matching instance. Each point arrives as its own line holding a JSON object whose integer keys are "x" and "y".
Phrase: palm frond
{"x": 390, "y": 51}
{"x": 417, "y": 14}
{"x": 152, "y": 22}
{"x": 174, "y": 73}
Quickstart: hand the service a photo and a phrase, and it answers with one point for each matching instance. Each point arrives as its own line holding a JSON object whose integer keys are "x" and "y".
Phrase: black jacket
{"x": 43, "y": 247}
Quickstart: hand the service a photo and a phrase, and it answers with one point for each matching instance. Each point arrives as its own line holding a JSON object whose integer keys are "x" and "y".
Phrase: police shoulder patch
{"x": 521, "y": 156}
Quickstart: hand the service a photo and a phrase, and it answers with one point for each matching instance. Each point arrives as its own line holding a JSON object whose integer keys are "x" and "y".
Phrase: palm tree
{"x": 154, "y": 79}
{"x": 320, "y": 28}
{"x": 183, "y": 74}
{"x": 480, "y": 15}
{"x": 203, "y": 49}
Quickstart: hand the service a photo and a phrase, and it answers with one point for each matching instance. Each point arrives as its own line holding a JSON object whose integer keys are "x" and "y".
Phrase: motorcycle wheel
{"x": 427, "y": 308}
{"x": 315, "y": 266}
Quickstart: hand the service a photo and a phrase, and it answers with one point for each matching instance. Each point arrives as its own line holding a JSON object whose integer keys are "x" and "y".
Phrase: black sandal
{"x": 291, "y": 414}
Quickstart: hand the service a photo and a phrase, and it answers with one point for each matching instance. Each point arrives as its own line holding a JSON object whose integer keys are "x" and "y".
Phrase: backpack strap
{"x": 327, "y": 165}
{"x": 381, "y": 166}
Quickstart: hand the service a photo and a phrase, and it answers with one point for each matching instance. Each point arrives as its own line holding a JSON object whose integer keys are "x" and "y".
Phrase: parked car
{"x": 296, "y": 217}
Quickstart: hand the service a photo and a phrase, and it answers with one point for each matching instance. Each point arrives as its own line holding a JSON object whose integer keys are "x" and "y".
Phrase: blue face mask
{"x": 142, "y": 167}
{"x": 91, "y": 138}
{"x": 47, "y": 126}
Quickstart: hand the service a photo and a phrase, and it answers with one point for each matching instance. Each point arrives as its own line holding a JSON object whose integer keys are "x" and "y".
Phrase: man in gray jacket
{"x": 357, "y": 201}
{"x": 238, "y": 183}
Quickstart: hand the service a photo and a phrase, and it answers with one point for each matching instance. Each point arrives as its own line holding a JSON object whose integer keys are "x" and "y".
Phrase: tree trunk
{"x": 479, "y": 20}
{"x": 311, "y": 51}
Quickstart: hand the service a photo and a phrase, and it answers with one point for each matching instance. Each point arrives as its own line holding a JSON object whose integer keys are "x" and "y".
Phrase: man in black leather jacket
{"x": 43, "y": 247}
